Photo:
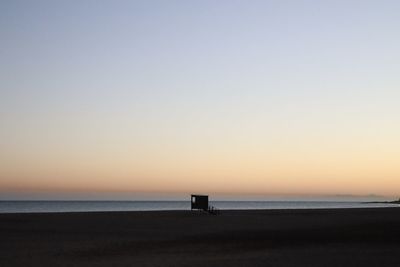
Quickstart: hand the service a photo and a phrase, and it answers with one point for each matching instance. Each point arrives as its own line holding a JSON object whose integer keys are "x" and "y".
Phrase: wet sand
{"x": 333, "y": 237}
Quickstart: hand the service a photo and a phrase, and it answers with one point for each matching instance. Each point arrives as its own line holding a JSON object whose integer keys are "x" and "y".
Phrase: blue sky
{"x": 216, "y": 88}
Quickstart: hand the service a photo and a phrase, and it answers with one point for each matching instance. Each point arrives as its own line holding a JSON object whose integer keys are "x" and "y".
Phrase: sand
{"x": 333, "y": 237}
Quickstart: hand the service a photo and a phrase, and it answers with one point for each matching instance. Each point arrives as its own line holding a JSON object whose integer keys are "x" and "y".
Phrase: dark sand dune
{"x": 334, "y": 237}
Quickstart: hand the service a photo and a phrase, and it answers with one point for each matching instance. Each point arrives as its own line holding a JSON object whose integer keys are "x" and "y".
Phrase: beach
{"x": 306, "y": 237}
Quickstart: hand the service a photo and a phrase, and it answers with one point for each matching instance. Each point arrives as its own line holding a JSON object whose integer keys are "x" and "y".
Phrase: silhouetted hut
{"x": 199, "y": 202}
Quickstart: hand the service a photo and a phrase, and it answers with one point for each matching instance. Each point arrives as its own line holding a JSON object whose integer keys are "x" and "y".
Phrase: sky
{"x": 136, "y": 99}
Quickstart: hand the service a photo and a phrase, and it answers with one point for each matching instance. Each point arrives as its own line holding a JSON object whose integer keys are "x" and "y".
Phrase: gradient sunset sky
{"x": 166, "y": 98}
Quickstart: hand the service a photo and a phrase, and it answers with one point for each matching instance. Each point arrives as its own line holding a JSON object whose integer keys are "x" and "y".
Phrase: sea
{"x": 98, "y": 206}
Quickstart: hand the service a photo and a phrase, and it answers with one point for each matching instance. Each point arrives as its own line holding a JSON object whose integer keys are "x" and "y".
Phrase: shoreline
{"x": 14, "y": 207}
{"x": 203, "y": 212}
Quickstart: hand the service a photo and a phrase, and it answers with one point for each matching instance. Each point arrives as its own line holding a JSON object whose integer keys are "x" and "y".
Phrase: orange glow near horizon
{"x": 313, "y": 167}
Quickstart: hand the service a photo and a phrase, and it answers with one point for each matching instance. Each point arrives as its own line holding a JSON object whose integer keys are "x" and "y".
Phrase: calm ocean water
{"x": 82, "y": 206}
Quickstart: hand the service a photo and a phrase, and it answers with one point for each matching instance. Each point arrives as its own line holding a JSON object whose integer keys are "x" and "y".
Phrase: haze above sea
{"x": 98, "y": 206}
